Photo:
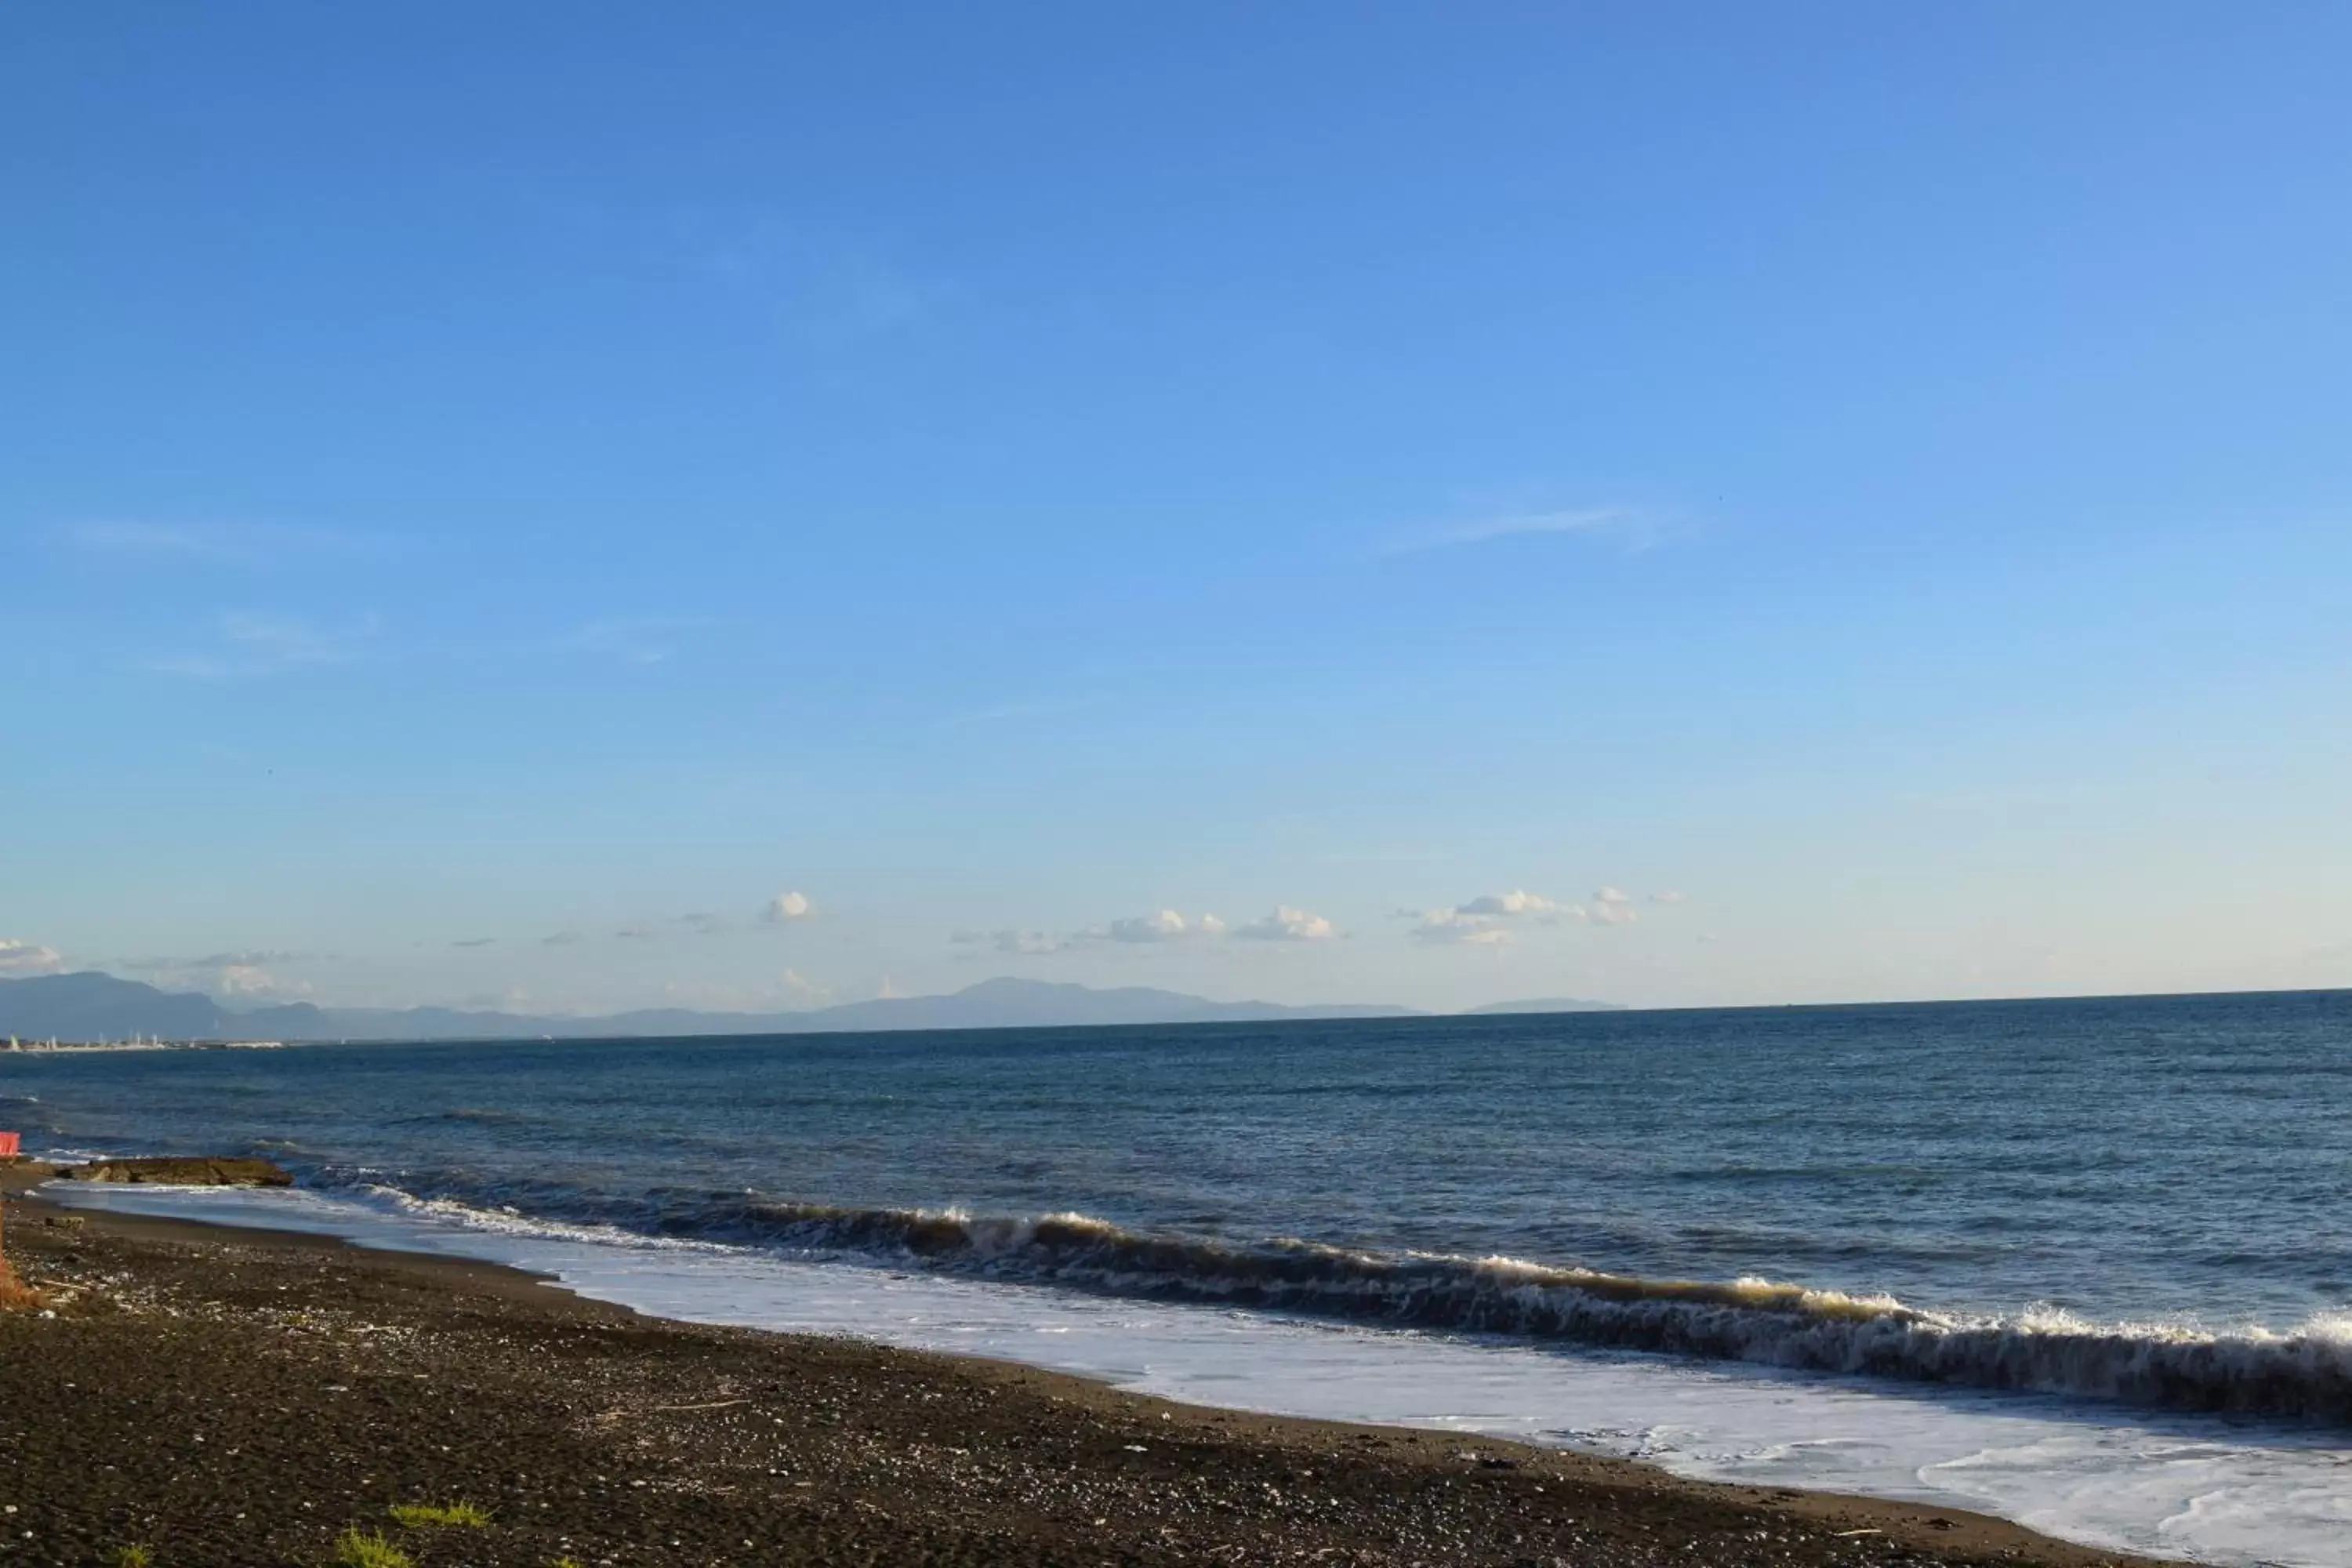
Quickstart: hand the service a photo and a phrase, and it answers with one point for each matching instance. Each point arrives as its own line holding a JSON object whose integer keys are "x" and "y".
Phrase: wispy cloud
{"x": 29, "y": 958}
{"x": 474, "y": 941}
{"x": 223, "y": 543}
{"x": 801, "y": 985}
{"x": 1611, "y": 908}
{"x": 824, "y": 288}
{"x": 789, "y": 990}
{"x": 244, "y": 955}
{"x": 632, "y": 639}
{"x": 1007, "y": 712}
{"x": 1162, "y": 925}
{"x": 784, "y": 908}
{"x": 1158, "y": 928}
{"x": 251, "y": 981}
{"x": 1010, "y": 942}
{"x": 1620, "y": 523}
{"x": 247, "y": 645}
{"x": 286, "y": 641}
{"x": 243, "y": 973}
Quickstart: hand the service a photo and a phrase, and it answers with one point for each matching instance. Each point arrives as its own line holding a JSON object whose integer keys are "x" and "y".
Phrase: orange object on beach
{"x": 8, "y": 1145}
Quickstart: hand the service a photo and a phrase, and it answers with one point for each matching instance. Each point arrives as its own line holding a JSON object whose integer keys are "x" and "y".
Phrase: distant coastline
{"x": 54, "y": 1046}
{"x": 92, "y": 1010}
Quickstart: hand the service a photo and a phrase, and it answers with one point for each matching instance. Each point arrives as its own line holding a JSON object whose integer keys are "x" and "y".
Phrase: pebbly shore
{"x": 241, "y": 1399}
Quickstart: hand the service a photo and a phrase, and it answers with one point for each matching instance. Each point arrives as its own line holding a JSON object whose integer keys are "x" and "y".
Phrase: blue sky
{"x": 1830, "y": 501}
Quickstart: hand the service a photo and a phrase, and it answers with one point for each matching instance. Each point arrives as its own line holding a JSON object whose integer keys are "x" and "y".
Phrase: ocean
{"x": 2085, "y": 1263}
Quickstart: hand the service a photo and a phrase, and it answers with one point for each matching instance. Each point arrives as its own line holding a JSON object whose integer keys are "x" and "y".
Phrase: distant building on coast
{"x": 141, "y": 1043}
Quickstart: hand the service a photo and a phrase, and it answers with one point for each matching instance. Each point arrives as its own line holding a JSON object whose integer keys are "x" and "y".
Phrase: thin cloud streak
{"x": 254, "y": 645}
{"x": 230, "y": 544}
{"x": 1592, "y": 520}
{"x": 632, "y": 639}
{"x": 1006, "y": 712}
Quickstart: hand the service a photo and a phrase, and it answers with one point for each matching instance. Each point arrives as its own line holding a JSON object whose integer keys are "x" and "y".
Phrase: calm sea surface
{"x": 2096, "y": 1169}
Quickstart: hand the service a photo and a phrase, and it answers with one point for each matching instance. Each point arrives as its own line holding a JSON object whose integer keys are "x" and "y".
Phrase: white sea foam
{"x": 2186, "y": 1486}
{"x": 2304, "y": 1373}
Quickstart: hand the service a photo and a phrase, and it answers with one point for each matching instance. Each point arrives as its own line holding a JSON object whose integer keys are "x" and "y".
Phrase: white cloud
{"x": 1481, "y": 921}
{"x": 29, "y": 958}
{"x": 1611, "y": 908}
{"x": 1165, "y": 925}
{"x": 1669, "y": 897}
{"x": 1160, "y": 926}
{"x": 1287, "y": 924}
{"x": 702, "y": 924}
{"x": 1512, "y": 905}
{"x": 1460, "y": 927}
{"x": 785, "y": 907}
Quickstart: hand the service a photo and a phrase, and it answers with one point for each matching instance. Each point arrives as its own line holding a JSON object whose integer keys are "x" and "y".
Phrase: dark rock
{"x": 198, "y": 1172}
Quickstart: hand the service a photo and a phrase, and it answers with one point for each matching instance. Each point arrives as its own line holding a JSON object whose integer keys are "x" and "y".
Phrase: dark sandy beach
{"x": 241, "y": 1398}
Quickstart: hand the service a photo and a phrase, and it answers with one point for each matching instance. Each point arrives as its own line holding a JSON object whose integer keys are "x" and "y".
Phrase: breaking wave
{"x": 2303, "y": 1373}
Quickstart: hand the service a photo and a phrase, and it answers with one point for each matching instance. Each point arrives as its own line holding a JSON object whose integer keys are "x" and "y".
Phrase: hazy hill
{"x": 1032, "y": 1004}
{"x": 92, "y": 1005}
{"x": 1545, "y": 1004}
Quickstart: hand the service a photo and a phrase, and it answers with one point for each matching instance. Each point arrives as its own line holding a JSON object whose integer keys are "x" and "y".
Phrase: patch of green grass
{"x": 421, "y": 1515}
{"x": 353, "y": 1550}
{"x": 131, "y": 1557}
{"x": 566, "y": 1562}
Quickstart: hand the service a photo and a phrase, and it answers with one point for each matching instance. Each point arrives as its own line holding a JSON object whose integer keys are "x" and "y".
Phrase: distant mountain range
{"x": 93, "y": 1006}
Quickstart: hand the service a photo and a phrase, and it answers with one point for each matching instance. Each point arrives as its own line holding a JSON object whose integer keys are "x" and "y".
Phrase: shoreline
{"x": 809, "y": 1448}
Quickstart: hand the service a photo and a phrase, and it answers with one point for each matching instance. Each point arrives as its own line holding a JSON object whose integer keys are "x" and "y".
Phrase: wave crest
{"x": 2304, "y": 1373}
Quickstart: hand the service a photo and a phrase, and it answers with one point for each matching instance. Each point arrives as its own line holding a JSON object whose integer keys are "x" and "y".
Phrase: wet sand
{"x": 240, "y": 1398}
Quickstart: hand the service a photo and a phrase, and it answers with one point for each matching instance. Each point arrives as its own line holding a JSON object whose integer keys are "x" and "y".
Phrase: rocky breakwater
{"x": 179, "y": 1172}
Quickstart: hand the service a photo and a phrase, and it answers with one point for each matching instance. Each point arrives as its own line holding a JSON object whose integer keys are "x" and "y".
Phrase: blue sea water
{"x": 2145, "y": 1200}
